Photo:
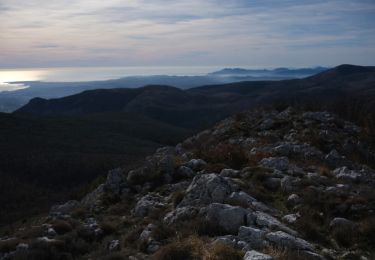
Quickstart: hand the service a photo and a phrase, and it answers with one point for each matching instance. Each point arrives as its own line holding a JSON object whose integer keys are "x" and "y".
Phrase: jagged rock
{"x": 291, "y": 218}
{"x": 147, "y": 232}
{"x": 344, "y": 173}
{"x": 93, "y": 199}
{"x": 323, "y": 117}
{"x": 289, "y": 184}
{"x": 240, "y": 198}
{"x": 334, "y": 159}
{"x": 148, "y": 204}
{"x": 278, "y": 163}
{"x": 196, "y": 164}
{"x": 267, "y": 124}
{"x": 264, "y": 220}
{"x": 65, "y": 208}
{"x": 229, "y": 218}
{"x": 230, "y": 173}
{"x": 114, "y": 245}
{"x": 115, "y": 179}
{"x": 181, "y": 214}
{"x": 259, "y": 206}
{"x": 206, "y": 189}
{"x": 92, "y": 228}
{"x": 293, "y": 200}
{"x": 282, "y": 239}
{"x": 255, "y": 255}
{"x": 342, "y": 223}
{"x": 51, "y": 232}
{"x": 183, "y": 172}
{"x": 159, "y": 166}
{"x": 253, "y": 236}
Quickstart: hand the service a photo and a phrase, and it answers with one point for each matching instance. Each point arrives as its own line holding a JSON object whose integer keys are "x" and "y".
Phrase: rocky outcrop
{"x": 275, "y": 176}
{"x": 206, "y": 189}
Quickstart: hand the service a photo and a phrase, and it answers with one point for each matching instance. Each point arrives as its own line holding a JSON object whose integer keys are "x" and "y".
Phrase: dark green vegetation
{"x": 44, "y": 160}
{"x": 347, "y": 88}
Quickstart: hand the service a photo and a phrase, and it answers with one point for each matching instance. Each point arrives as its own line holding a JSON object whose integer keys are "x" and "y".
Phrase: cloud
{"x": 186, "y": 32}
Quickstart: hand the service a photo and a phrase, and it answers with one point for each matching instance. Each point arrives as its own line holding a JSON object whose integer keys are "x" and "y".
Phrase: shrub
{"x": 219, "y": 251}
{"x": 232, "y": 155}
{"x": 191, "y": 248}
{"x": 61, "y": 226}
{"x": 108, "y": 227}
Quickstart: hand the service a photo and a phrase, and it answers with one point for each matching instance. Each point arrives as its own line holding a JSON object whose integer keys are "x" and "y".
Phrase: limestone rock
{"x": 278, "y": 163}
{"x": 255, "y": 255}
{"x": 147, "y": 205}
{"x": 282, "y": 239}
{"x": 253, "y": 236}
{"x": 206, "y": 189}
{"x": 229, "y": 218}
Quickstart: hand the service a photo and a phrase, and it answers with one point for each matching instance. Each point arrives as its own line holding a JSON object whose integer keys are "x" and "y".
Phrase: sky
{"x": 255, "y": 33}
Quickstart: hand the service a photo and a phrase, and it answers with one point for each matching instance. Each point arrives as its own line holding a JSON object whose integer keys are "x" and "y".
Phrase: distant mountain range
{"x": 278, "y": 72}
{"x": 10, "y": 101}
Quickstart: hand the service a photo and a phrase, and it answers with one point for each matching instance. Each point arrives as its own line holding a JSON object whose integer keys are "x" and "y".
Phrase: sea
{"x": 14, "y": 79}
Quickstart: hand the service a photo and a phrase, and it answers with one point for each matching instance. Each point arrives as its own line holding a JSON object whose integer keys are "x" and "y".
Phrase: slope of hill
{"x": 262, "y": 184}
{"x": 48, "y": 159}
{"x": 202, "y": 106}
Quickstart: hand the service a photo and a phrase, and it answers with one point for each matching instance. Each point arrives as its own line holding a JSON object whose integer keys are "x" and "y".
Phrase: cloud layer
{"x": 41, "y": 33}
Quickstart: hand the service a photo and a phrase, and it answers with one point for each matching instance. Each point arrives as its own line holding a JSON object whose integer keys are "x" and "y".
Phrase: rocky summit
{"x": 262, "y": 184}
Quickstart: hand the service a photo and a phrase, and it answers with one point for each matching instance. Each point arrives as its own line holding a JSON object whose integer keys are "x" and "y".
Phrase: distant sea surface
{"x": 8, "y": 77}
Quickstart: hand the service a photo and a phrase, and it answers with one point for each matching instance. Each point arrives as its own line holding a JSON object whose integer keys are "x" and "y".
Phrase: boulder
{"x": 293, "y": 200}
{"x": 282, "y": 239}
{"x": 158, "y": 167}
{"x": 229, "y": 218}
{"x": 264, "y": 220}
{"x": 206, "y": 189}
{"x": 148, "y": 204}
{"x": 278, "y": 163}
{"x": 230, "y": 173}
{"x": 255, "y": 255}
{"x": 115, "y": 178}
{"x": 289, "y": 184}
{"x": 240, "y": 199}
{"x": 323, "y": 117}
{"x": 65, "y": 208}
{"x": 344, "y": 173}
{"x": 183, "y": 172}
{"x": 114, "y": 245}
{"x": 196, "y": 164}
{"x": 181, "y": 214}
{"x": 342, "y": 223}
{"x": 291, "y": 218}
{"x": 253, "y": 236}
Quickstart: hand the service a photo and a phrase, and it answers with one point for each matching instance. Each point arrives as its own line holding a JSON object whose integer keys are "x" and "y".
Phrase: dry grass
{"x": 284, "y": 254}
{"x": 195, "y": 248}
{"x": 61, "y": 226}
